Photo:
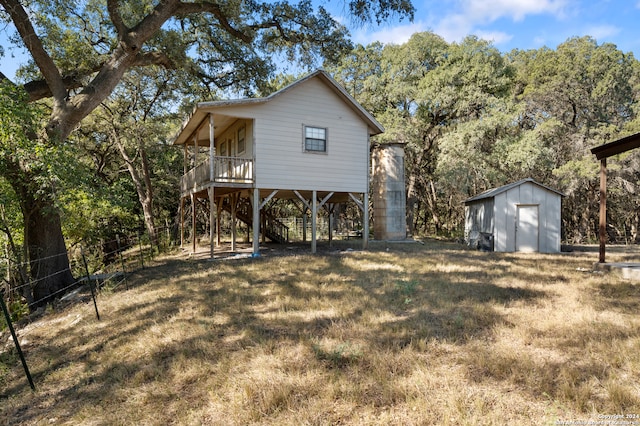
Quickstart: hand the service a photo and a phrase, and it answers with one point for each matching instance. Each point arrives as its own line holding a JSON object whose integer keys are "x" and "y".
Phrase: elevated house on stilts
{"x": 308, "y": 142}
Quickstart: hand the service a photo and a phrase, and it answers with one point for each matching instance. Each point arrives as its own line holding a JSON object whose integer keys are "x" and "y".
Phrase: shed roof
{"x": 496, "y": 191}
{"x": 201, "y": 109}
{"x": 617, "y": 147}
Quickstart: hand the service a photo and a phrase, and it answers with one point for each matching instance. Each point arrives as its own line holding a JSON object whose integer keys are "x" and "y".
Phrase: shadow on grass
{"x": 225, "y": 308}
{"x": 622, "y": 296}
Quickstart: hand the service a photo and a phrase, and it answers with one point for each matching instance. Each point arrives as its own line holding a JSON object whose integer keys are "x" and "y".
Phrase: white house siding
{"x": 278, "y": 131}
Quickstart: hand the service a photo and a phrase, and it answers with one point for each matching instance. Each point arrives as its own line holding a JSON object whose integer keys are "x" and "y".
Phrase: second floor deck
{"x": 231, "y": 171}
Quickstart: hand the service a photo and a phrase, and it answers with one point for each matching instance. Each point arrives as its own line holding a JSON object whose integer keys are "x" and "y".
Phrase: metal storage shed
{"x": 521, "y": 216}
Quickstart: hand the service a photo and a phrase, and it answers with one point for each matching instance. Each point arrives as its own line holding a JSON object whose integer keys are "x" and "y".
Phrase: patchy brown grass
{"x": 400, "y": 334}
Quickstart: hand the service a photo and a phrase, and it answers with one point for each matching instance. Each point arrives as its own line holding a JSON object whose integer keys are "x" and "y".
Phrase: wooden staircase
{"x": 274, "y": 229}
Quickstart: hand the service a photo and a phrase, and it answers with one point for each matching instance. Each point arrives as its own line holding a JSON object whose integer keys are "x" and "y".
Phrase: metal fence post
{"x": 141, "y": 253}
{"x": 124, "y": 271}
{"x": 93, "y": 293}
{"x": 15, "y": 340}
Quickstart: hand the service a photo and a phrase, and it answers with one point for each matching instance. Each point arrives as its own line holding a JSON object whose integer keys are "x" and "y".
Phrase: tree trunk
{"x": 412, "y": 196}
{"x": 48, "y": 259}
{"x": 142, "y": 185}
{"x": 46, "y": 249}
{"x": 20, "y": 268}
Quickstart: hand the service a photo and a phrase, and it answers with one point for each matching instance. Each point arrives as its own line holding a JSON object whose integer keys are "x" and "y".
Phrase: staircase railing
{"x": 274, "y": 229}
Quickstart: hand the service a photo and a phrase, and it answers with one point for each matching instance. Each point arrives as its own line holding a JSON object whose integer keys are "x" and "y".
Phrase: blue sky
{"x": 509, "y": 24}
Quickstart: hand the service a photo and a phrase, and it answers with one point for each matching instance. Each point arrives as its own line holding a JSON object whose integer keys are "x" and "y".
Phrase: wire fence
{"x": 105, "y": 264}
{"x": 78, "y": 275}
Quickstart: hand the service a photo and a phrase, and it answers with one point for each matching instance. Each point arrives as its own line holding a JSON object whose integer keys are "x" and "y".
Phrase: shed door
{"x": 527, "y": 228}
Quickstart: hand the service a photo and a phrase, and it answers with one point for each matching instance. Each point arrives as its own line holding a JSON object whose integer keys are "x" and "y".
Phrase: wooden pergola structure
{"x": 603, "y": 152}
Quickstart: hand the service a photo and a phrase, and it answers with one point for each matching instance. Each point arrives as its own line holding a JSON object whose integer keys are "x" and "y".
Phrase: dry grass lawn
{"x": 404, "y": 334}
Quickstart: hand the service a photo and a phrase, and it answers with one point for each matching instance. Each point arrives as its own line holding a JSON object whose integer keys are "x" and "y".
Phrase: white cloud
{"x": 497, "y": 37}
{"x": 471, "y": 15}
{"x": 393, "y": 35}
{"x": 488, "y": 11}
{"x": 454, "y": 27}
{"x": 602, "y": 31}
{"x": 539, "y": 41}
{"x": 460, "y": 18}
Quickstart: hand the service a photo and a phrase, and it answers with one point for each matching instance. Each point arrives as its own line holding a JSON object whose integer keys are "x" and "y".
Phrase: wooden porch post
{"x": 234, "y": 202}
{"x": 365, "y": 220}
{"x": 314, "y": 220}
{"x": 196, "y": 150}
{"x": 365, "y": 200}
{"x": 304, "y": 225}
{"x": 193, "y": 221}
{"x": 218, "y": 221}
{"x": 181, "y": 221}
{"x": 212, "y": 220}
{"x": 256, "y": 222}
{"x": 603, "y": 209}
{"x": 330, "y": 216}
{"x": 185, "y": 159}
{"x": 212, "y": 148}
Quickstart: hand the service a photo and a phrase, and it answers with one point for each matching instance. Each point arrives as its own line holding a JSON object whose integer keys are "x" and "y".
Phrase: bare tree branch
{"x": 191, "y": 8}
{"x": 153, "y": 58}
{"x": 39, "y": 89}
{"x": 116, "y": 18}
{"x": 34, "y": 45}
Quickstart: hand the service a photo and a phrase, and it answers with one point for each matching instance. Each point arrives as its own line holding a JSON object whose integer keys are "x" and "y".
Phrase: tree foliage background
{"x": 473, "y": 118}
{"x": 84, "y": 133}
{"x": 84, "y": 60}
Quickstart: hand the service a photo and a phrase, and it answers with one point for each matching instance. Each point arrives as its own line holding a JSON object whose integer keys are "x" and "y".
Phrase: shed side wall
{"x": 479, "y": 218}
{"x": 550, "y": 239}
{"x": 501, "y": 219}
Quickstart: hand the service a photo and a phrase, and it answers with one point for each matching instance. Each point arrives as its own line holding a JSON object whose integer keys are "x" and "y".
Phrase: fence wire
{"x": 90, "y": 266}
{"x": 106, "y": 264}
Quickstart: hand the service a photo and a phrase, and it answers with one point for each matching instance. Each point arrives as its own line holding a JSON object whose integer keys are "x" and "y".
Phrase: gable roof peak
{"x": 490, "y": 193}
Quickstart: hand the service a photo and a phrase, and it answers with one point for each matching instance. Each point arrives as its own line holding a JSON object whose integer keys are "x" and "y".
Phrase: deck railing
{"x": 225, "y": 170}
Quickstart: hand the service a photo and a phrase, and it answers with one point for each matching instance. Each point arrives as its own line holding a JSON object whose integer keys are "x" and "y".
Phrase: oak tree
{"x": 80, "y": 52}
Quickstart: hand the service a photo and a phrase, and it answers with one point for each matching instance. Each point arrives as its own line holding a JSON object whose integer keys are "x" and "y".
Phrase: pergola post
{"x": 603, "y": 152}
{"x": 602, "y": 231}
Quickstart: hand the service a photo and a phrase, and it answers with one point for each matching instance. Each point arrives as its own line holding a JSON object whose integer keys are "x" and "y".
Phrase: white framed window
{"x": 315, "y": 139}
